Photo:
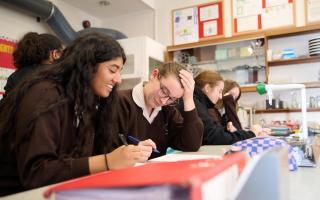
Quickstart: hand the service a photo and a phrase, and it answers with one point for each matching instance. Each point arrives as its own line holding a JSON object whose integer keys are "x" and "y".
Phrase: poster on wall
{"x": 195, "y": 23}
{"x": 210, "y": 20}
{"x": 255, "y": 15}
{"x": 281, "y": 14}
{"x": 185, "y": 26}
{"x": 6, "y": 61}
{"x": 313, "y": 11}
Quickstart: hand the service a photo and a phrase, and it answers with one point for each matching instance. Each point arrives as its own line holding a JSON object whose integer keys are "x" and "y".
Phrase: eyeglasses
{"x": 165, "y": 93}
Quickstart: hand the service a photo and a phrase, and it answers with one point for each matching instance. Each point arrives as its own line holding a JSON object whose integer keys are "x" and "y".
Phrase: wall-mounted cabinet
{"x": 142, "y": 54}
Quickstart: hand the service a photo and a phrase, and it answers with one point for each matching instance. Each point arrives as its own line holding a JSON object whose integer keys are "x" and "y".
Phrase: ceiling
{"x": 114, "y": 9}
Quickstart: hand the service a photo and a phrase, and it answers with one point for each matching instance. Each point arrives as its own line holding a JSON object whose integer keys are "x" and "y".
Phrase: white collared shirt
{"x": 138, "y": 98}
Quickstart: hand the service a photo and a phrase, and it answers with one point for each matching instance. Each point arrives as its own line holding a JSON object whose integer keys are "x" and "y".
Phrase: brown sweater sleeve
{"x": 44, "y": 156}
{"x": 231, "y": 111}
{"x": 185, "y": 130}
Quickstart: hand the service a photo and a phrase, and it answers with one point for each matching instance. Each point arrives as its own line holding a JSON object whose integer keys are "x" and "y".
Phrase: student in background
{"x": 33, "y": 51}
{"x": 147, "y": 111}
{"x": 208, "y": 90}
{"x": 56, "y": 125}
{"x": 228, "y": 105}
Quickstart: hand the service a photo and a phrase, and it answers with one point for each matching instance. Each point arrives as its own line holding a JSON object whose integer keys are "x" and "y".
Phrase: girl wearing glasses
{"x": 147, "y": 111}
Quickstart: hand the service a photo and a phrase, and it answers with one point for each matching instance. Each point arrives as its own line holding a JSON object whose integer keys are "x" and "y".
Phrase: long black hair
{"x": 73, "y": 72}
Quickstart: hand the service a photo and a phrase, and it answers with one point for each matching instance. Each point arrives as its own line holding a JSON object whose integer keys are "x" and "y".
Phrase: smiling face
{"x": 106, "y": 77}
{"x": 162, "y": 91}
{"x": 214, "y": 93}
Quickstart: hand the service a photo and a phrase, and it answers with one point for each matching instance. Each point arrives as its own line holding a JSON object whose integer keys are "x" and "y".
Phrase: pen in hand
{"x": 136, "y": 141}
{"x": 123, "y": 139}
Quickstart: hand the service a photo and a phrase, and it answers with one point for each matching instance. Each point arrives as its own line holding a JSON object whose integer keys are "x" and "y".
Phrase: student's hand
{"x": 127, "y": 156}
{"x": 148, "y": 145}
{"x": 188, "y": 85}
{"x": 259, "y": 131}
{"x": 230, "y": 127}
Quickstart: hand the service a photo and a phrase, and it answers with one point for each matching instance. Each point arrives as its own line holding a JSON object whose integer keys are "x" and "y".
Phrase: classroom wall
{"x": 134, "y": 24}
{"x": 164, "y": 17}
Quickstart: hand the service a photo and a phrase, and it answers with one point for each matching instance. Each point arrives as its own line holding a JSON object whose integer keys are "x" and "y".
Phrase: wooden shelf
{"x": 286, "y": 110}
{"x": 292, "y": 31}
{"x": 248, "y": 88}
{"x": 299, "y": 60}
{"x": 252, "y": 88}
{"x": 248, "y": 36}
{"x": 215, "y": 41}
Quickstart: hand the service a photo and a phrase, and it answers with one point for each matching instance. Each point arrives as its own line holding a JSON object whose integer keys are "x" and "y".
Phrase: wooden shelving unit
{"x": 286, "y": 110}
{"x": 299, "y": 60}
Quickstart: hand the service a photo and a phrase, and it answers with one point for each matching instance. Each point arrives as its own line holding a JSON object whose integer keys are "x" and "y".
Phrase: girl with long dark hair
{"x": 56, "y": 125}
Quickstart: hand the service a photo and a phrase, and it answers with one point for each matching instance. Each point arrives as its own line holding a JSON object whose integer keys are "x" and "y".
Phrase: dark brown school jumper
{"x": 45, "y": 157}
{"x": 168, "y": 129}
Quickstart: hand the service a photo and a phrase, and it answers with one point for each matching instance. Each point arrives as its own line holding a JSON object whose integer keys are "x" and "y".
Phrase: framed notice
{"x": 312, "y": 8}
{"x": 258, "y": 15}
{"x": 6, "y": 61}
{"x": 199, "y": 22}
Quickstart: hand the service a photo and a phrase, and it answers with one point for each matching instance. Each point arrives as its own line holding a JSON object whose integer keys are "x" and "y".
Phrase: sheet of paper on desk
{"x": 179, "y": 157}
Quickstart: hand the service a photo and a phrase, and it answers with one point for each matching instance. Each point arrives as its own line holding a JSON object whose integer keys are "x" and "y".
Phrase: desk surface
{"x": 303, "y": 184}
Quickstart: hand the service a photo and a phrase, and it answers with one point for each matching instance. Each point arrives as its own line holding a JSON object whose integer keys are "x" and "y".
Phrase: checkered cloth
{"x": 255, "y": 146}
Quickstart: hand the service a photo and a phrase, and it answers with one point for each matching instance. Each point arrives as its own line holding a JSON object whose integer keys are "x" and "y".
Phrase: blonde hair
{"x": 171, "y": 68}
{"x": 208, "y": 77}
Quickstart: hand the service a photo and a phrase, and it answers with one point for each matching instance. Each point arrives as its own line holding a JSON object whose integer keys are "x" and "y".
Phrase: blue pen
{"x": 136, "y": 141}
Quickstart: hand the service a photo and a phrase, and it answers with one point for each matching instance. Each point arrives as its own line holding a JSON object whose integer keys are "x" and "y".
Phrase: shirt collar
{"x": 138, "y": 98}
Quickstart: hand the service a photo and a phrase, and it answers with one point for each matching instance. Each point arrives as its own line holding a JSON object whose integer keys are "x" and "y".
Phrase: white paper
{"x": 210, "y": 28}
{"x": 270, "y": 3}
{"x": 179, "y": 157}
{"x": 247, "y": 23}
{"x": 277, "y": 16}
{"x": 186, "y": 26}
{"x": 243, "y": 8}
{"x": 209, "y": 12}
{"x": 313, "y": 10}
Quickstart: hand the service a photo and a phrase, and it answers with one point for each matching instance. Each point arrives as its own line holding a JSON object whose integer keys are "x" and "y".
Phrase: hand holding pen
{"x": 136, "y": 141}
{"x": 128, "y": 155}
{"x": 148, "y": 142}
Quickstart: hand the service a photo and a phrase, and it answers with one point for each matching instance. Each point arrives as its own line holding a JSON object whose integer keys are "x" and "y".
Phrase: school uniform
{"x": 166, "y": 126}
{"x": 46, "y": 155}
{"x": 214, "y": 132}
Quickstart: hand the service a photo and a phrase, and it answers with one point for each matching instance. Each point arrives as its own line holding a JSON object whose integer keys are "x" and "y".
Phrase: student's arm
{"x": 215, "y": 134}
{"x": 123, "y": 156}
{"x": 188, "y": 85}
{"x": 45, "y": 155}
{"x": 42, "y": 155}
{"x": 230, "y": 111}
{"x": 185, "y": 129}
